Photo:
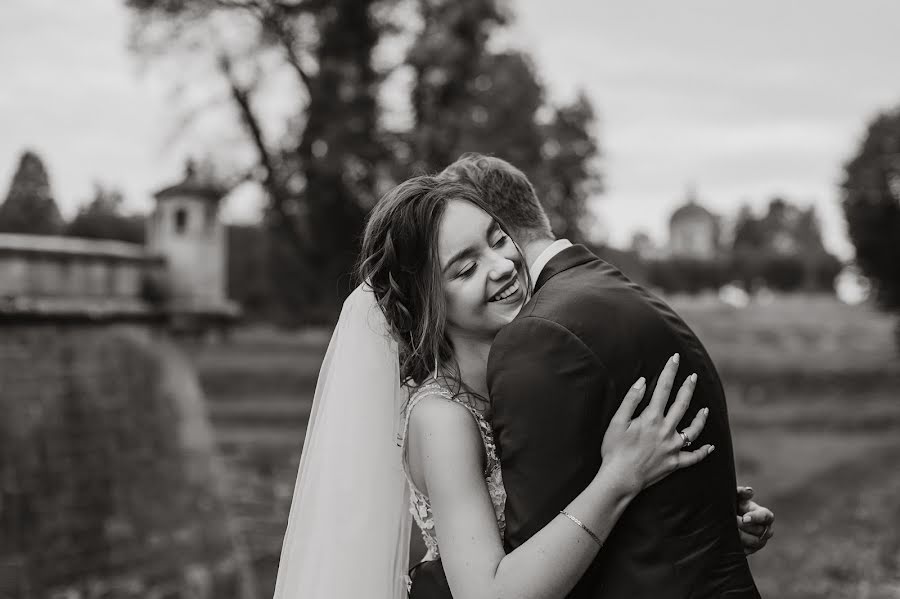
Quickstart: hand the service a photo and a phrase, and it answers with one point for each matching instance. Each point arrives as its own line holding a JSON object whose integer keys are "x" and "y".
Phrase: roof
{"x": 193, "y": 184}
{"x": 15, "y": 243}
{"x": 691, "y": 210}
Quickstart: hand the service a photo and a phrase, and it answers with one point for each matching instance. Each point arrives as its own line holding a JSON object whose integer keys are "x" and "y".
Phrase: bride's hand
{"x": 646, "y": 449}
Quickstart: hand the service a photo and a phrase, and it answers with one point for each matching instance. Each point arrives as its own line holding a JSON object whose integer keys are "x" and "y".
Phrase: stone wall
{"x": 44, "y": 265}
{"x": 109, "y": 483}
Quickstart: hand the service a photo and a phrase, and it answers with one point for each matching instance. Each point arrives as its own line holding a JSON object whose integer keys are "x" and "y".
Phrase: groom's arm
{"x": 552, "y": 401}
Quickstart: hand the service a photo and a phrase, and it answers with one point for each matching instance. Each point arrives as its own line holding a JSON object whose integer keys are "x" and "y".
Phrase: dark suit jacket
{"x": 556, "y": 375}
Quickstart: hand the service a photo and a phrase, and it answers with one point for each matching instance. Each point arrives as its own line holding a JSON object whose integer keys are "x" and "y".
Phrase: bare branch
{"x": 249, "y": 5}
{"x": 293, "y": 8}
{"x": 278, "y": 195}
{"x": 241, "y": 97}
{"x": 271, "y": 16}
{"x": 294, "y": 60}
{"x": 188, "y": 117}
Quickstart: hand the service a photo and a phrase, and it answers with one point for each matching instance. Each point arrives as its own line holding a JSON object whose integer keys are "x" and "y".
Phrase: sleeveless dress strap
{"x": 434, "y": 389}
{"x": 420, "y": 505}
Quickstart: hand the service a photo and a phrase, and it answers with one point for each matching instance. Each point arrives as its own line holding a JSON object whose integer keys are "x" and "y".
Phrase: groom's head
{"x": 507, "y": 192}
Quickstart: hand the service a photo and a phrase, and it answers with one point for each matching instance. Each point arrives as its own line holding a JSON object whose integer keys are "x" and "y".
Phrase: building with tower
{"x": 186, "y": 230}
{"x": 694, "y": 231}
{"x": 177, "y": 277}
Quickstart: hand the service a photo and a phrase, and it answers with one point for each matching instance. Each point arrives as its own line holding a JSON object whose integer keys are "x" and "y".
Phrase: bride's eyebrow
{"x": 469, "y": 251}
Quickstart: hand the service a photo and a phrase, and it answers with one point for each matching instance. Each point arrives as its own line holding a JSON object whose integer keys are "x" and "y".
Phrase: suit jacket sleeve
{"x": 552, "y": 401}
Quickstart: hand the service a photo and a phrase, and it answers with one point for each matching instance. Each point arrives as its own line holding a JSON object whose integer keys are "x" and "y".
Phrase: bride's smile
{"x": 483, "y": 273}
{"x": 509, "y": 291}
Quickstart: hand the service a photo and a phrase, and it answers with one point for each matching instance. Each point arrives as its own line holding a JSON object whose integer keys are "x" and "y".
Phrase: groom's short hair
{"x": 506, "y": 190}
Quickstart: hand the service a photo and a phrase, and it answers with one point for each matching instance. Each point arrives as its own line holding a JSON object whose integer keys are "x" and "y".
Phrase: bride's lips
{"x": 513, "y": 285}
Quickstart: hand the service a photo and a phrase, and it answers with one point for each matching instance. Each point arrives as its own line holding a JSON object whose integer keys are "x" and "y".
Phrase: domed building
{"x": 694, "y": 231}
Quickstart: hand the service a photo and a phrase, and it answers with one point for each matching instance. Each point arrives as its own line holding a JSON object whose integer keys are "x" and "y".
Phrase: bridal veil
{"x": 348, "y": 531}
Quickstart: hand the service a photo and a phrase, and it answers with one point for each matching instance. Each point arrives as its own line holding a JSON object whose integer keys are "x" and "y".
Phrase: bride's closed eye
{"x": 470, "y": 269}
{"x": 499, "y": 242}
{"x": 467, "y": 271}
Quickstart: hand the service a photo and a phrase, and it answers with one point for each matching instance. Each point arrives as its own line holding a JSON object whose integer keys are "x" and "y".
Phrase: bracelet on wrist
{"x": 583, "y": 527}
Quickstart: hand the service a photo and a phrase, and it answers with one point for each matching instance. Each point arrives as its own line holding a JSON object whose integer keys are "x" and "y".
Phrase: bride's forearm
{"x": 548, "y": 565}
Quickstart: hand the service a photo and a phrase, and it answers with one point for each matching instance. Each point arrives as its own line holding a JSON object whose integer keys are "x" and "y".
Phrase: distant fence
{"x": 50, "y": 276}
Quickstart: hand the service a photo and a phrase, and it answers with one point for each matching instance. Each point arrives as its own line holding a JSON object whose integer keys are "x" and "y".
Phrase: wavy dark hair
{"x": 399, "y": 261}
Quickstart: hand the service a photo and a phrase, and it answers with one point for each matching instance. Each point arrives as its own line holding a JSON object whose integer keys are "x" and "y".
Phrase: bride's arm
{"x": 448, "y": 448}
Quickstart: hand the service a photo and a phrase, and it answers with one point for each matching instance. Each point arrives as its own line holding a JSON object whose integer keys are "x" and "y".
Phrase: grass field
{"x": 814, "y": 403}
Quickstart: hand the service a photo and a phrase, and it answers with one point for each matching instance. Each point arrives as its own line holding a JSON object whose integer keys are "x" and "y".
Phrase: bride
{"x": 401, "y": 422}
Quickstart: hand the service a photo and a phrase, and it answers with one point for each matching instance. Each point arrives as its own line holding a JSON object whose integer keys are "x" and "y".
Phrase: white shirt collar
{"x": 545, "y": 257}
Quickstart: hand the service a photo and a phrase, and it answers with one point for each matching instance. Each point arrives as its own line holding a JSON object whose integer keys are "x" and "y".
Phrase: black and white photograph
{"x": 449, "y": 299}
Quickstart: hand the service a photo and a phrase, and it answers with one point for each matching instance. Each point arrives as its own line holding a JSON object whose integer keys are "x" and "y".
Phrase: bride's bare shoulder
{"x": 435, "y": 418}
{"x": 436, "y": 407}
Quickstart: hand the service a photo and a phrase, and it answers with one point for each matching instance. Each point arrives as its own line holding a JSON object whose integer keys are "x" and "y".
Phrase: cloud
{"x": 743, "y": 99}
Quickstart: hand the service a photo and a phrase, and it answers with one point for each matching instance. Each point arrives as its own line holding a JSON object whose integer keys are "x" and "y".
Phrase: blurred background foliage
{"x": 871, "y": 203}
{"x": 325, "y": 162}
{"x": 333, "y": 147}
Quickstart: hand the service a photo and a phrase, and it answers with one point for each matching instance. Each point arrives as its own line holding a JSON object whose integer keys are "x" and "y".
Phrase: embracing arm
{"x": 551, "y": 400}
{"x": 445, "y": 446}
{"x": 754, "y": 521}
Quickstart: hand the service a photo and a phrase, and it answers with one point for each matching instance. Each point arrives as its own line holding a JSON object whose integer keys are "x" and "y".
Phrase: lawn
{"x": 813, "y": 402}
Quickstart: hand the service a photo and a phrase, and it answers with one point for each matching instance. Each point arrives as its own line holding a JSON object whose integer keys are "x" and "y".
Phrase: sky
{"x": 740, "y": 100}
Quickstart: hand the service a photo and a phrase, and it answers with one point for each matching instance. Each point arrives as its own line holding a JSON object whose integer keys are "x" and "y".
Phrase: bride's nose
{"x": 501, "y": 268}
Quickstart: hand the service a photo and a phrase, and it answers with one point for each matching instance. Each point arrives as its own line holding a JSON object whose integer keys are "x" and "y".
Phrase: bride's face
{"x": 482, "y": 271}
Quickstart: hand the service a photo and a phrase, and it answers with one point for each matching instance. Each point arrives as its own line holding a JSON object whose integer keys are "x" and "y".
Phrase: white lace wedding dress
{"x": 420, "y": 507}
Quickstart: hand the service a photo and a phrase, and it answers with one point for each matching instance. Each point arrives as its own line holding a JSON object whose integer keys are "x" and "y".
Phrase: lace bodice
{"x": 420, "y": 507}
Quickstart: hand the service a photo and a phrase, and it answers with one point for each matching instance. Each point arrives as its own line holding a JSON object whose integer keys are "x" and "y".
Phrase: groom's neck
{"x": 533, "y": 248}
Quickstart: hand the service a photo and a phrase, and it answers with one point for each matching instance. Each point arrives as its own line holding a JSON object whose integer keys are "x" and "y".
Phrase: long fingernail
{"x": 675, "y": 358}
{"x": 639, "y": 384}
{"x": 711, "y": 448}
{"x": 693, "y": 378}
{"x": 706, "y": 411}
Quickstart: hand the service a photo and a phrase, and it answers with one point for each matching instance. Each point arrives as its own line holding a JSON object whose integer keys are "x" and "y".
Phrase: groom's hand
{"x": 754, "y": 521}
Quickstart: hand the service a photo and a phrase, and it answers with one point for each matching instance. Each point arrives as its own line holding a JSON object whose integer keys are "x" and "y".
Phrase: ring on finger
{"x": 685, "y": 440}
{"x": 765, "y": 531}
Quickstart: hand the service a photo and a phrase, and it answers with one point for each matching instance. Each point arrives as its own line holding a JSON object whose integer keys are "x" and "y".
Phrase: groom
{"x": 556, "y": 375}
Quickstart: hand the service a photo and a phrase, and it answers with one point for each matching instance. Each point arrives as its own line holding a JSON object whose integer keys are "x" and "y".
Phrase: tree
{"x": 321, "y": 163}
{"x": 467, "y": 98}
{"x": 501, "y": 118}
{"x": 782, "y": 249}
{"x": 102, "y": 218}
{"x": 569, "y": 174}
{"x": 748, "y": 232}
{"x": 447, "y": 58}
{"x": 318, "y": 164}
{"x": 248, "y": 283}
{"x": 29, "y": 206}
{"x": 341, "y": 146}
{"x": 686, "y": 275}
{"x": 871, "y": 204}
